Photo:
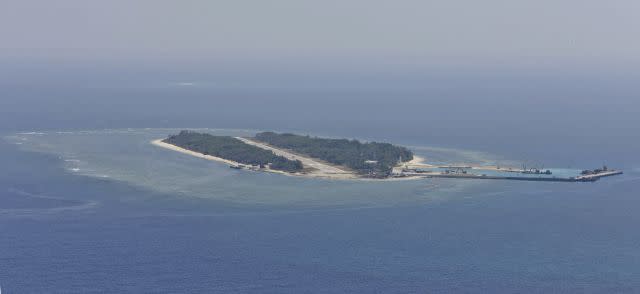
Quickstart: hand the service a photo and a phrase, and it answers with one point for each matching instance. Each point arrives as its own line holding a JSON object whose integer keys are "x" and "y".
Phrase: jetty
{"x": 460, "y": 173}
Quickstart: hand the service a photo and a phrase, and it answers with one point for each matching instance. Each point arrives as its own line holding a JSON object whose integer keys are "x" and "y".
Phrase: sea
{"x": 88, "y": 205}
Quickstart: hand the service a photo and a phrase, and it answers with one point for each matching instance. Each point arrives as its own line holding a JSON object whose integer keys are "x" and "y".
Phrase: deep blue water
{"x": 64, "y": 233}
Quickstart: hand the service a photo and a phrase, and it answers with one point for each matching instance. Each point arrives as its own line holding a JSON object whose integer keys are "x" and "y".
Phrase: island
{"x": 294, "y": 154}
{"x": 304, "y": 155}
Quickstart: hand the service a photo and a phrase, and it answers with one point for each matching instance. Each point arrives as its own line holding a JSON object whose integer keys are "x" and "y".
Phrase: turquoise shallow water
{"x": 130, "y": 158}
{"x": 101, "y": 210}
{"x": 111, "y": 212}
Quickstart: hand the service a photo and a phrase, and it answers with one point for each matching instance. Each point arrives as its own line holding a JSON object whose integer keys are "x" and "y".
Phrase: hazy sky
{"x": 421, "y": 31}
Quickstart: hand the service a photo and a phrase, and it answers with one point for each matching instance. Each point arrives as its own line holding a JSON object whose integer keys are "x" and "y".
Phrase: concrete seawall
{"x": 587, "y": 178}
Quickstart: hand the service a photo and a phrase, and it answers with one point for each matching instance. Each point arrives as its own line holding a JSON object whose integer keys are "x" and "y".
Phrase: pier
{"x": 592, "y": 176}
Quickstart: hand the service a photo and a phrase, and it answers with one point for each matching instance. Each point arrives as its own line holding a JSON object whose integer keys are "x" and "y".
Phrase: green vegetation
{"x": 370, "y": 159}
{"x": 232, "y": 149}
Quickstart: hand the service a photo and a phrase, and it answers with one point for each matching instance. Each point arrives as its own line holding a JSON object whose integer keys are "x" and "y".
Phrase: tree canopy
{"x": 370, "y": 158}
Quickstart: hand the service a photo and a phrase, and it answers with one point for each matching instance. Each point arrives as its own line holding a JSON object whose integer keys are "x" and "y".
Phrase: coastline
{"x": 417, "y": 160}
{"x": 318, "y": 169}
{"x": 161, "y": 144}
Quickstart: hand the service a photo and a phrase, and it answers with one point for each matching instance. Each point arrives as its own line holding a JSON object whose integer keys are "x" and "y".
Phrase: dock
{"x": 597, "y": 176}
{"x": 581, "y": 178}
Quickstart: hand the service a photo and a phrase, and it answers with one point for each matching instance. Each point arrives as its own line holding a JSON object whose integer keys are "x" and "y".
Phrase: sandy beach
{"x": 159, "y": 143}
{"x": 416, "y": 161}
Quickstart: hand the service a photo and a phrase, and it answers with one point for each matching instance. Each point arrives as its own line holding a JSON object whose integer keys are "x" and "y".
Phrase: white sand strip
{"x": 320, "y": 168}
{"x": 192, "y": 153}
{"x": 159, "y": 143}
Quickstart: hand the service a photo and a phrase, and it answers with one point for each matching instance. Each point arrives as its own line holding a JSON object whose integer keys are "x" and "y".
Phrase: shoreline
{"x": 172, "y": 147}
{"x": 320, "y": 170}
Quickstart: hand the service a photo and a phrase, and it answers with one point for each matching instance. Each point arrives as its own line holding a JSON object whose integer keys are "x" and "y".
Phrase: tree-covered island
{"x": 370, "y": 159}
{"x": 232, "y": 149}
